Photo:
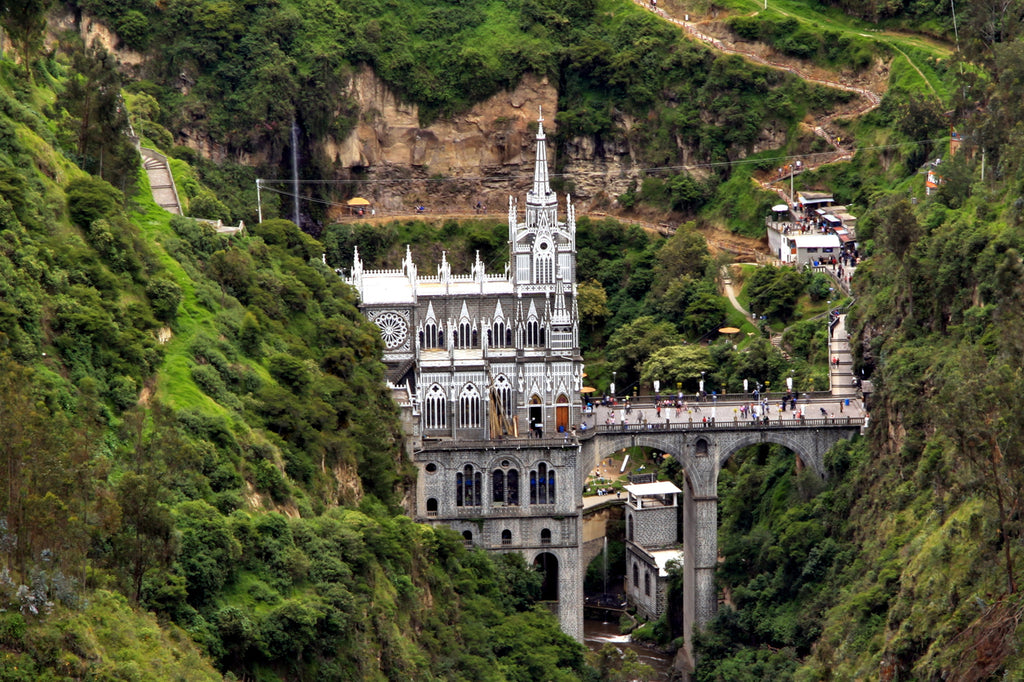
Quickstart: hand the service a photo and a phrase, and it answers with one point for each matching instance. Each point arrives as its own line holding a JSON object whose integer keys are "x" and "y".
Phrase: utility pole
{"x": 259, "y": 201}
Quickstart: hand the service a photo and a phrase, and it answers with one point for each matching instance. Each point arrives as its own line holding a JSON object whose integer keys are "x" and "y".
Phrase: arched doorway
{"x": 547, "y": 564}
{"x": 536, "y": 414}
{"x": 562, "y": 413}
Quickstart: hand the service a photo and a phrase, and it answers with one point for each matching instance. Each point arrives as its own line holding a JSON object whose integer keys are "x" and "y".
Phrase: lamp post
{"x": 702, "y": 383}
{"x": 613, "y": 383}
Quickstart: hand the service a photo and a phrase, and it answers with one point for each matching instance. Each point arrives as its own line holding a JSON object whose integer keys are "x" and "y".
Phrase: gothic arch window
{"x": 636, "y": 577}
{"x": 508, "y": 337}
{"x": 464, "y": 339}
{"x": 542, "y": 485}
{"x": 503, "y": 391}
{"x": 506, "y": 537}
{"x": 469, "y": 407}
{"x": 429, "y": 337}
{"x": 545, "y": 263}
{"x": 540, "y": 341}
{"x": 475, "y": 341}
{"x": 647, "y": 583}
{"x": 467, "y": 538}
{"x": 435, "y": 408}
{"x": 432, "y": 506}
{"x": 468, "y": 487}
{"x": 545, "y": 536}
{"x": 498, "y": 339}
{"x": 533, "y": 332}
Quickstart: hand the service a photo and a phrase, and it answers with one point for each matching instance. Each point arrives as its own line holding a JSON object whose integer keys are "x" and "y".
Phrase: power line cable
{"x": 650, "y": 169}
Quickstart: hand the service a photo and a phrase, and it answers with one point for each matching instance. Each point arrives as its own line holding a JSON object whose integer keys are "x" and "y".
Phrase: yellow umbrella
{"x": 587, "y": 389}
{"x": 728, "y": 330}
{"x": 358, "y": 201}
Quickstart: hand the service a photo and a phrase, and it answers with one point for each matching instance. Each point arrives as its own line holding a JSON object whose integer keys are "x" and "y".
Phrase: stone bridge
{"x": 702, "y": 450}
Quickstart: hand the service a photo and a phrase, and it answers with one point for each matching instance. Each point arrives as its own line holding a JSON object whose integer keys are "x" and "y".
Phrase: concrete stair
{"x": 161, "y": 183}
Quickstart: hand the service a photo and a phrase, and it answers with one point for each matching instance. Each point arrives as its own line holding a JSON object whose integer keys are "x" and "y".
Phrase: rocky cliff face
{"x": 480, "y": 155}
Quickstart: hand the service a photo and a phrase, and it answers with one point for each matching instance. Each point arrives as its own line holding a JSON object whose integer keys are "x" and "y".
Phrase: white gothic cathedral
{"x": 488, "y": 371}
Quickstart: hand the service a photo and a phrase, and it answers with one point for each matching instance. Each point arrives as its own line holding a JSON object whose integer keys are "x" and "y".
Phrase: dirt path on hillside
{"x": 868, "y": 86}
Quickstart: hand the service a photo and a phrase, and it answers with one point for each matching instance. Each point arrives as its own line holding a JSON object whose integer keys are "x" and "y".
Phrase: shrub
{"x": 164, "y": 297}
{"x": 90, "y": 199}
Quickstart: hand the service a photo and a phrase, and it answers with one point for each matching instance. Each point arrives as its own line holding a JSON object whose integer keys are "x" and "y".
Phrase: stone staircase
{"x": 776, "y": 340}
{"x": 841, "y": 379}
{"x": 161, "y": 183}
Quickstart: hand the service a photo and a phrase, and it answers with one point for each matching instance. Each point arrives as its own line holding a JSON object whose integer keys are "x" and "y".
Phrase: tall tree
{"x": 93, "y": 99}
{"x": 25, "y": 23}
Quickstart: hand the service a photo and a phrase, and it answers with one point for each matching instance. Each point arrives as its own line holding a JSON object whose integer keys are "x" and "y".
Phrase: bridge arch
{"x": 702, "y": 451}
{"x": 733, "y": 443}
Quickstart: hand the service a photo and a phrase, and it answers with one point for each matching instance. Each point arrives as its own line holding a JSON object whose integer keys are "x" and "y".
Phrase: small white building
{"x": 796, "y": 249}
{"x": 652, "y": 532}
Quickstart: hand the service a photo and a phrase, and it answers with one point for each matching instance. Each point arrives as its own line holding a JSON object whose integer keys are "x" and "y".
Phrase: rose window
{"x": 393, "y": 329}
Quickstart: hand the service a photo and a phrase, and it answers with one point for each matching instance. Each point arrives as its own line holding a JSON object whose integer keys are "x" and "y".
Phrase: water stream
{"x": 596, "y": 634}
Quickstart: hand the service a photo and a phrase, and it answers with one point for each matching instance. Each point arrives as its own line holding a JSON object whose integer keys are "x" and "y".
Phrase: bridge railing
{"x": 724, "y": 425}
{"x": 647, "y": 400}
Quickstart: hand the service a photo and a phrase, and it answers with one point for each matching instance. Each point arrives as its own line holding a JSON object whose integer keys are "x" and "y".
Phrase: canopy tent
{"x": 357, "y": 205}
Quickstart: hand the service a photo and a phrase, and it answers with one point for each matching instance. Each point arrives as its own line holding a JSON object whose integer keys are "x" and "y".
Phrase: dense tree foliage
{"x": 196, "y": 426}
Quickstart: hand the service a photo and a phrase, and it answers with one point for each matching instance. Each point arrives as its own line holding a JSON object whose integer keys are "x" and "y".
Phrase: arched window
{"x": 545, "y": 536}
{"x": 465, "y": 334}
{"x": 430, "y": 335}
{"x": 499, "y": 334}
{"x": 469, "y": 407}
{"x": 432, "y": 506}
{"x": 435, "y": 408}
{"x": 542, "y": 485}
{"x": 545, "y": 268}
{"x": 647, "y": 583}
{"x": 629, "y": 529}
{"x": 508, "y": 337}
{"x": 636, "y": 577}
{"x": 701, "y": 448}
{"x": 503, "y": 392}
{"x": 505, "y": 486}
{"x": 467, "y": 538}
{"x": 532, "y": 333}
{"x": 475, "y": 342}
{"x": 468, "y": 485}
{"x": 498, "y": 486}
{"x": 506, "y": 537}
{"x": 512, "y": 482}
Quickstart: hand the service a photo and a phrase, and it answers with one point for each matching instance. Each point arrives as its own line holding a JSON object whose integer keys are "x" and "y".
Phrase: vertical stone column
{"x": 689, "y": 572}
{"x": 570, "y": 587}
{"x": 705, "y": 559}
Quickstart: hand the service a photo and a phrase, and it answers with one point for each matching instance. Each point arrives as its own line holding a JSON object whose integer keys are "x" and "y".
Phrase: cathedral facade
{"x": 487, "y": 369}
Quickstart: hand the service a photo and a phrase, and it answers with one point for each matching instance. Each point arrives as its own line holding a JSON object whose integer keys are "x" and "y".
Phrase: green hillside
{"x": 203, "y": 473}
{"x": 201, "y": 465}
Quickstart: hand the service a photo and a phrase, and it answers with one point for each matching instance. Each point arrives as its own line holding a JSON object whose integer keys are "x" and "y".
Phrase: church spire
{"x": 541, "y": 188}
{"x": 541, "y": 194}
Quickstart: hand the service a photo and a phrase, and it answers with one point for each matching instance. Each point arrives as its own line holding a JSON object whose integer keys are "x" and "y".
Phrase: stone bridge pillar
{"x": 700, "y": 548}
